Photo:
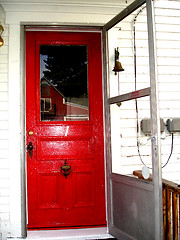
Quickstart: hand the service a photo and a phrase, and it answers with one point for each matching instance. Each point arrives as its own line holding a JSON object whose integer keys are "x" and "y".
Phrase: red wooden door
{"x": 64, "y": 122}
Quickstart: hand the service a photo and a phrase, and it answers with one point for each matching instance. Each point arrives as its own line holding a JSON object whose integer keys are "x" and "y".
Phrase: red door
{"x": 64, "y": 122}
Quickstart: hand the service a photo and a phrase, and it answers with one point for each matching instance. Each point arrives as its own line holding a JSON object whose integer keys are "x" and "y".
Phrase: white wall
{"x": 18, "y": 13}
{"x": 88, "y": 13}
{"x": 167, "y": 18}
{"x": 168, "y": 37}
{"x": 4, "y": 162}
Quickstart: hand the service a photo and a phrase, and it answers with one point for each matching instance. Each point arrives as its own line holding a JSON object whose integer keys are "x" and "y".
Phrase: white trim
{"x": 79, "y": 234}
{"x": 15, "y": 137}
{"x": 62, "y": 28}
{"x": 71, "y": 234}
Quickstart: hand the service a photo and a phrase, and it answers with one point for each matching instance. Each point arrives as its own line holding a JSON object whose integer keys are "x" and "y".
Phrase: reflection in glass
{"x": 64, "y": 83}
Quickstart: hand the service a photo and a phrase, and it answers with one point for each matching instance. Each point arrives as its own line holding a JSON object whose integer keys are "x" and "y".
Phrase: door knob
{"x": 30, "y": 133}
{"x": 30, "y": 149}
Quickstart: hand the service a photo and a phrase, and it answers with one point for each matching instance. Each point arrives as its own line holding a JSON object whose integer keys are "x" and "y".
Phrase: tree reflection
{"x": 66, "y": 69}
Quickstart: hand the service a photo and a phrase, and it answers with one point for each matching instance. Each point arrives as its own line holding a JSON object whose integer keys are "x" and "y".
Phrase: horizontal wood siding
{"x": 168, "y": 36}
{"x": 4, "y": 163}
{"x": 124, "y": 131}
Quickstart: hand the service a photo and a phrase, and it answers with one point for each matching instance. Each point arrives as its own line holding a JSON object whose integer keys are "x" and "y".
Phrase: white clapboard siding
{"x": 169, "y": 87}
{"x": 167, "y": 17}
{"x": 173, "y": 104}
{"x": 3, "y": 96}
{"x": 136, "y": 162}
{"x": 4, "y": 162}
{"x": 4, "y": 59}
{"x": 129, "y": 78}
{"x": 167, "y": 20}
{"x": 169, "y": 27}
{"x": 172, "y": 44}
{"x": 3, "y": 77}
{"x": 4, "y": 106}
{"x": 168, "y": 51}
{"x": 171, "y": 77}
{"x": 168, "y": 61}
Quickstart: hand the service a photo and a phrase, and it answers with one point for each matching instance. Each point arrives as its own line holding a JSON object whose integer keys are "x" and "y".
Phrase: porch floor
{"x": 74, "y": 234}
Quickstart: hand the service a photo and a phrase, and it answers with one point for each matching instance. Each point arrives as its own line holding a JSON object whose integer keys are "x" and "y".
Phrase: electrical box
{"x": 146, "y": 126}
{"x": 173, "y": 125}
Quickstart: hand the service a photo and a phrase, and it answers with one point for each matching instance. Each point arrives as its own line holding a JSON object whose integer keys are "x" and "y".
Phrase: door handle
{"x": 30, "y": 149}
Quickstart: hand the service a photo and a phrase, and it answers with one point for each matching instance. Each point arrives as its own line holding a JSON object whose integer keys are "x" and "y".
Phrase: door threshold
{"x": 75, "y": 234}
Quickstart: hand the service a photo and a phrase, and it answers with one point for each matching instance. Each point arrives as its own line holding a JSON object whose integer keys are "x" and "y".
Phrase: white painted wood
{"x": 76, "y": 234}
{"x": 85, "y": 12}
{"x": 4, "y": 165}
{"x": 4, "y": 58}
{"x": 3, "y": 96}
{"x": 166, "y": 4}
{"x": 4, "y": 106}
{"x": 3, "y": 77}
{"x": 58, "y": 18}
{"x": 14, "y": 131}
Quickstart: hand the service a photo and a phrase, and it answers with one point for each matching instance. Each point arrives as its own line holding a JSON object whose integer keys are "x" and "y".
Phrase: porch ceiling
{"x": 47, "y": 5}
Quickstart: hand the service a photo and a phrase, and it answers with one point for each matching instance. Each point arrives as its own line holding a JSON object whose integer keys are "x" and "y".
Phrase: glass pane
{"x": 64, "y": 83}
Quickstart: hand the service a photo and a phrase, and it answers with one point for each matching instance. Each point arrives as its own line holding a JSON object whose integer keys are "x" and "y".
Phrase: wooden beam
{"x": 169, "y": 214}
{"x": 175, "y": 215}
{"x": 164, "y": 215}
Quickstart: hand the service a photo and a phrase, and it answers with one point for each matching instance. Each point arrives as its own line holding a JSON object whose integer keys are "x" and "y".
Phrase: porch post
{"x": 155, "y": 127}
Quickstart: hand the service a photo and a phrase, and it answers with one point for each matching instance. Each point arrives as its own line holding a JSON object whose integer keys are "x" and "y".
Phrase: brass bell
{"x": 117, "y": 65}
{"x": 1, "y": 41}
{"x": 1, "y": 31}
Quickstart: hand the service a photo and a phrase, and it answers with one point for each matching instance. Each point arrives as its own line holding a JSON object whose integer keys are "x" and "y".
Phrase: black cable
{"x": 136, "y": 104}
{"x": 172, "y": 144}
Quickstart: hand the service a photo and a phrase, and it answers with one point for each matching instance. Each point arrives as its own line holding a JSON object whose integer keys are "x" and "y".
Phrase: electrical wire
{"x": 172, "y": 144}
{"x": 135, "y": 77}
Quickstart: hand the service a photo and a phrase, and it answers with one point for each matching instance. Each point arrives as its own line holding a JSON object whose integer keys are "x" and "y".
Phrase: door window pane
{"x": 64, "y": 83}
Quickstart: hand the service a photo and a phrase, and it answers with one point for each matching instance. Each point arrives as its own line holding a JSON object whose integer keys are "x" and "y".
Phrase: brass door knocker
{"x": 65, "y": 169}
